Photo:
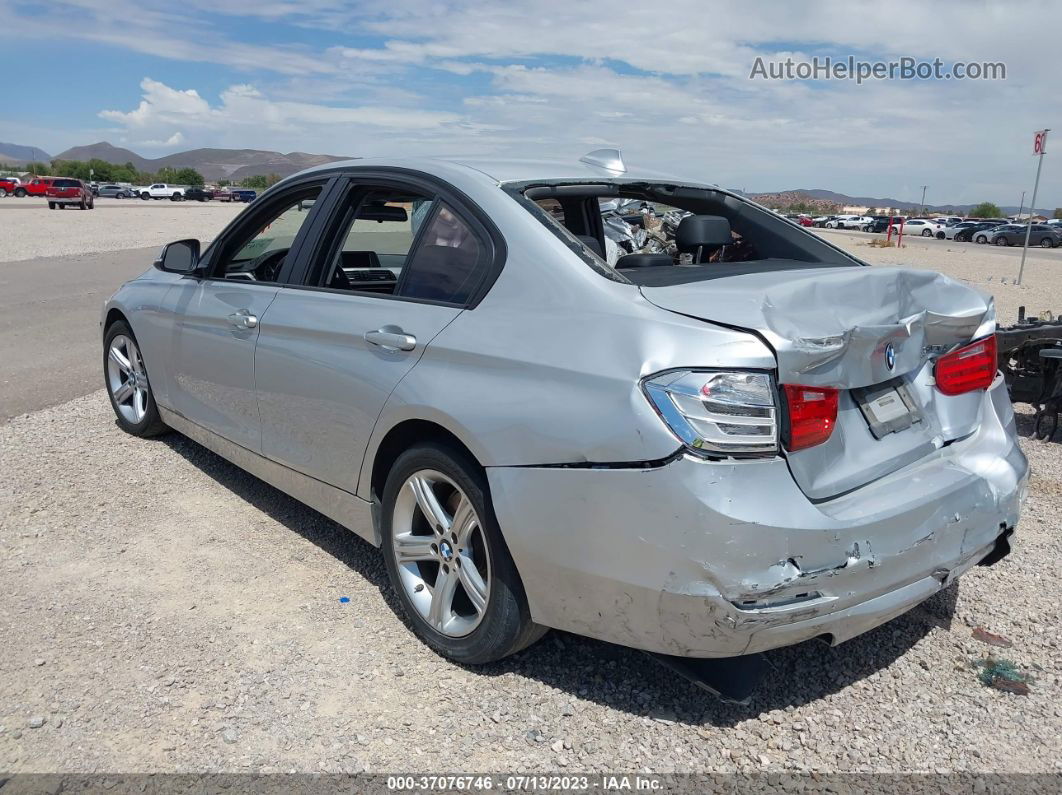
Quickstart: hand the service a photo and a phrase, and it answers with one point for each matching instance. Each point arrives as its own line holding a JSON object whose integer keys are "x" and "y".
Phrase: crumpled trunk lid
{"x": 842, "y": 327}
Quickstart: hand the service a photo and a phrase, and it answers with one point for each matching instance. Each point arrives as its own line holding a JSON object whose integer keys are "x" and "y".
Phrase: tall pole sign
{"x": 1039, "y": 149}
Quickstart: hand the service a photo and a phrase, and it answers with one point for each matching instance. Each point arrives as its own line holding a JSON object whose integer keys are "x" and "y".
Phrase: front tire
{"x": 447, "y": 560}
{"x": 1001, "y": 241}
{"x": 982, "y": 239}
{"x": 1046, "y": 243}
{"x": 20, "y": 193}
{"x": 927, "y": 233}
{"x": 51, "y": 205}
{"x": 125, "y": 375}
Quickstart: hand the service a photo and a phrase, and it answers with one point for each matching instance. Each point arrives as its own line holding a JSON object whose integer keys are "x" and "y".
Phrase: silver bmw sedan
{"x": 707, "y": 433}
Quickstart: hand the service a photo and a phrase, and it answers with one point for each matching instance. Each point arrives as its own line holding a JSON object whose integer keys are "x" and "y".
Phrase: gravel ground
{"x": 29, "y": 229}
{"x": 163, "y": 611}
{"x": 989, "y": 269}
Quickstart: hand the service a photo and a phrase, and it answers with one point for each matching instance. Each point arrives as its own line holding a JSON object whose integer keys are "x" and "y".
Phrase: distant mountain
{"x": 823, "y": 198}
{"x": 213, "y": 164}
{"x": 104, "y": 151}
{"x": 15, "y": 154}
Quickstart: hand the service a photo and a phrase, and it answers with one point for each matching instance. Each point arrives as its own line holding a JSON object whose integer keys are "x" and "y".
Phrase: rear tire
{"x": 1001, "y": 241}
{"x": 51, "y": 205}
{"x": 447, "y": 547}
{"x": 3, "y": 192}
{"x": 927, "y": 233}
{"x": 1046, "y": 243}
{"x": 982, "y": 239}
{"x": 125, "y": 376}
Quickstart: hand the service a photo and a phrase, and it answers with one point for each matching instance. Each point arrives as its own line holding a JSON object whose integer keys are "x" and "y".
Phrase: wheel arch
{"x": 399, "y": 438}
{"x": 114, "y": 314}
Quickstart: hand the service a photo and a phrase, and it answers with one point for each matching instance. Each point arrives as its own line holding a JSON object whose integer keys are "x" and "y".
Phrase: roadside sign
{"x": 1039, "y": 150}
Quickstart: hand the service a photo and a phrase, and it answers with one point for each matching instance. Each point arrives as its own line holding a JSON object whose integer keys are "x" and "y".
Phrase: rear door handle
{"x": 391, "y": 338}
{"x": 243, "y": 319}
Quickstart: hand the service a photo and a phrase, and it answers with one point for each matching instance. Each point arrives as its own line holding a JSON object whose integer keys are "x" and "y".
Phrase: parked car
{"x": 115, "y": 191}
{"x": 805, "y": 220}
{"x": 1039, "y": 235}
{"x": 820, "y": 221}
{"x": 949, "y": 220}
{"x": 64, "y": 191}
{"x": 8, "y": 185}
{"x": 160, "y": 190}
{"x": 693, "y": 477}
{"x": 985, "y": 235}
{"x": 966, "y": 234}
{"x": 879, "y": 223}
{"x": 848, "y": 222}
{"x": 243, "y": 195}
{"x": 926, "y": 227}
{"x": 36, "y": 186}
{"x": 198, "y": 194}
{"x": 223, "y": 194}
{"x": 949, "y": 232}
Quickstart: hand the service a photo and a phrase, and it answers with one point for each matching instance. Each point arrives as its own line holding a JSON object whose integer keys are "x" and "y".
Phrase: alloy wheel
{"x": 441, "y": 553}
{"x": 127, "y": 379}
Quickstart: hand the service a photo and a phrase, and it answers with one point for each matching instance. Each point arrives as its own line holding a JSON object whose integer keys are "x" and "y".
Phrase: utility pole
{"x": 1040, "y": 149}
{"x": 922, "y": 207}
{"x": 1022, "y": 205}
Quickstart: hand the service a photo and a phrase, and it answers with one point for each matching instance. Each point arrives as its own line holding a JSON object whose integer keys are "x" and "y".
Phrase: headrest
{"x": 643, "y": 261}
{"x": 592, "y": 243}
{"x": 702, "y": 230}
{"x": 359, "y": 259}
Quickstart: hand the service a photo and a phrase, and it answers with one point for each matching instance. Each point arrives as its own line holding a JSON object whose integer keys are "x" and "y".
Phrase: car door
{"x": 399, "y": 262}
{"x": 217, "y": 316}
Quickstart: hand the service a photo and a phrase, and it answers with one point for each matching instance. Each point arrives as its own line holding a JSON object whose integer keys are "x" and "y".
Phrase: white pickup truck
{"x": 160, "y": 190}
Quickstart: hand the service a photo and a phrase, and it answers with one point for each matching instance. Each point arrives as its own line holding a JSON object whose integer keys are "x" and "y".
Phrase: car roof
{"x": 510, "y": 170}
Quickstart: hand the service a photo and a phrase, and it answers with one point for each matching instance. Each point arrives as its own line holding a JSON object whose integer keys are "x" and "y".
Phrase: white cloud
{"x": 173, "y": 141}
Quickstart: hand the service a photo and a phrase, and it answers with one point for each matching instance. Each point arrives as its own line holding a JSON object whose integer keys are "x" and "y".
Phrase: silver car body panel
{"x": 615, "y": 531}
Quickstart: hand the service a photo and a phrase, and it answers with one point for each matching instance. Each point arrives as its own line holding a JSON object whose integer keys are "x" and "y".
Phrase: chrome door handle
{"x": 243, "y": 319}
{"x": 391, "y": 338}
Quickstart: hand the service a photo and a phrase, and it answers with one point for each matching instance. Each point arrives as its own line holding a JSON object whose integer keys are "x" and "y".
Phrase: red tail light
{"x": 812, "y": 415}
{"x": 970, "y": 367}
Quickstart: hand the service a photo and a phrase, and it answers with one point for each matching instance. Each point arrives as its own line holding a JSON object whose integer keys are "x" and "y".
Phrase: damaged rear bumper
{"x": 707, "y": 559}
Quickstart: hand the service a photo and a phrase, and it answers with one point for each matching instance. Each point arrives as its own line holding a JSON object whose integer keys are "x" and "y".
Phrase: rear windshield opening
{"x": 655, "y": 234}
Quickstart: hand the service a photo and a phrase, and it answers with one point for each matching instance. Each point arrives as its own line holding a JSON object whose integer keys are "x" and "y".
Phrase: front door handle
{"x": 391, "y": 338}
{"x": 243, "y": 319}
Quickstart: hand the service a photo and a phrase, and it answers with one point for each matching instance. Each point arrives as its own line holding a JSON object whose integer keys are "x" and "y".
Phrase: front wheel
{"x": 127, "y": 382}
{"x": 1046, "y": 243}
{"x": 447, "y": 560}
{"x": 20, "y": 193}
{"x": 927, "y": 233}
{"x": 981, "y": 239}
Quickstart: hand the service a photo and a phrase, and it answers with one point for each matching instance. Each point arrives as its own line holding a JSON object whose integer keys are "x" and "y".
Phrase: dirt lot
{"x": 163, "y": 611}
{"x": 28, "y": 229}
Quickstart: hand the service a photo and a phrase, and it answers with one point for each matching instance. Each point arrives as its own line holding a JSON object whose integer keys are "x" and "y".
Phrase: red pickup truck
{"x": 64, "y": 191}
{"x": 38, "y": 186}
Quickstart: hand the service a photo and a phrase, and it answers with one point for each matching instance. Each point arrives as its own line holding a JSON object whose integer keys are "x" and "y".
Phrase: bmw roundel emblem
{"x": 890, "y": 356}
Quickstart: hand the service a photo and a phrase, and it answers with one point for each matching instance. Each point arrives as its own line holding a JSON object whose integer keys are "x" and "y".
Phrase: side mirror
{"x": 181, "y": 256}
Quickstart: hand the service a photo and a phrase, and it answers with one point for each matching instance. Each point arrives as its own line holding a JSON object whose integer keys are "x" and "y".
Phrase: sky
{"x": 669, "y": 84}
